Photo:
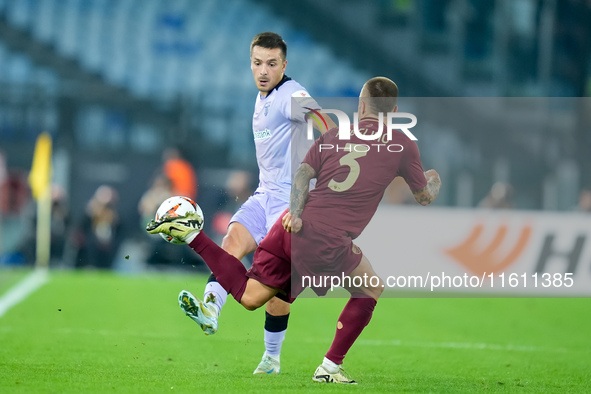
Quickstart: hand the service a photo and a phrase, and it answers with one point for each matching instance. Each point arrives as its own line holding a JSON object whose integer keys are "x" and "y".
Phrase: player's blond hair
{"x": 385, "y": 92}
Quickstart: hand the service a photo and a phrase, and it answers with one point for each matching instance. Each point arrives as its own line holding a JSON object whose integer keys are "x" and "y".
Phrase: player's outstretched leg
{"x": 185, "y": 229}
{"x": 229, "y": 270}
{"x": 203, "y": 314}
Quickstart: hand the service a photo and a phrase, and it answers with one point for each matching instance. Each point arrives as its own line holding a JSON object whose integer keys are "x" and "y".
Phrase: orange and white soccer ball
{"x": 174, "y": 207}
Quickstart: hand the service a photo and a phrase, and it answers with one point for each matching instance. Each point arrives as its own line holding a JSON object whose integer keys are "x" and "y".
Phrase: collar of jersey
{"x": 283, "y": 80}
{"x": 370, "y": 118}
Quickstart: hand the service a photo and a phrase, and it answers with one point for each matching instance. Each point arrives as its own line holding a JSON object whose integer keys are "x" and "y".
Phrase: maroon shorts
{"x": 272, "y": 260}
{"x": 282, "y": 260}
{"x": 320, "y": 251}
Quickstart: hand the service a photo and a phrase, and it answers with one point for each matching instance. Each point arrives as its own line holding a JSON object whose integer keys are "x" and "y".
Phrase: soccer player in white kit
{"x": 278, "y": 148}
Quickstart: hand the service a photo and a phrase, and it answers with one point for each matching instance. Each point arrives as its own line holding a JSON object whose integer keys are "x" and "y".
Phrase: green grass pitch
{"x": 85, "y": 332}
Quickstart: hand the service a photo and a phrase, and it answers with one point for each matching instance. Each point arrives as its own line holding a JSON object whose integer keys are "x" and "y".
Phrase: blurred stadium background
{"x": 118, "y": 82}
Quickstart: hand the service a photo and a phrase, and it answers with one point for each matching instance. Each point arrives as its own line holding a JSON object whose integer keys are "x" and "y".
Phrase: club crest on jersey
{"x": 266, "y": 109}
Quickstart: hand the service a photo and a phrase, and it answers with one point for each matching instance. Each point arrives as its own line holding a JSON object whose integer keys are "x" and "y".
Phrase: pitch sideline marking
{"x": 457, "y": 345}
{"x": 25, "y": 287}
{"x": 462, "y": 345}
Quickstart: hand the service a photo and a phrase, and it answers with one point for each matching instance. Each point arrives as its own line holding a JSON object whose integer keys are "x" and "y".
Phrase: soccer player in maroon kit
{"x": 315, "y": 237}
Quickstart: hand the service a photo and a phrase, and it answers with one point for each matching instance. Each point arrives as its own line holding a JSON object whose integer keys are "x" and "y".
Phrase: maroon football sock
{"x": 228, "y": 270}
{"x": 355, "y": 316}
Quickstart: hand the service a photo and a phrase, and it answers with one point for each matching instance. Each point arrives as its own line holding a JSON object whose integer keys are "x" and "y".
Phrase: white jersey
{"x": 277, "y": 151}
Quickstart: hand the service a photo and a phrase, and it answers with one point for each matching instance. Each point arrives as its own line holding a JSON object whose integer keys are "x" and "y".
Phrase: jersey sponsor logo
{"x": 262, "y": 134}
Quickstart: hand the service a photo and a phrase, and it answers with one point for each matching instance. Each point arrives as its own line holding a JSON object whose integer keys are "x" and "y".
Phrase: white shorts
{"x": 259, "y": 213}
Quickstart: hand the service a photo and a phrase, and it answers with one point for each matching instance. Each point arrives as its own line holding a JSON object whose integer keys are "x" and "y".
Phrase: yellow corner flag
{"x": 40, "y": 176}
{"x": 40, "y": 181}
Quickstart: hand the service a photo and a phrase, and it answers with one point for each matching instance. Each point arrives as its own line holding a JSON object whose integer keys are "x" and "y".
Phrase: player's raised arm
{"x": 299, "y": 195}
{"x": 429, "y": 193}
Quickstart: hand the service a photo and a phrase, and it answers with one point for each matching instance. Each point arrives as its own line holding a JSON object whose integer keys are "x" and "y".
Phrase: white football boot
{"x": 323, "y": 376}
{"x": 268, "y": 365}
{"x": 204, "y": 314}
{"x": 183, "y": 228}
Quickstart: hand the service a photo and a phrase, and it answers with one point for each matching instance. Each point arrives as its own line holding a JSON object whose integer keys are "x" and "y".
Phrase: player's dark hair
{"x": 385, "y": 91}
{"x": 269, "y": 40}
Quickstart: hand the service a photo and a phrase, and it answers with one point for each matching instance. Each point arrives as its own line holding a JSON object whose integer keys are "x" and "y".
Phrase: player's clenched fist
{"x": 290, "y": 224}
{"x": 432, "y": 173}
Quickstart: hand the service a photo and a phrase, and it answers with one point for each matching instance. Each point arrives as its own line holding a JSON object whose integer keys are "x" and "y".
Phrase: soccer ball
{"x": 176, "y": 206}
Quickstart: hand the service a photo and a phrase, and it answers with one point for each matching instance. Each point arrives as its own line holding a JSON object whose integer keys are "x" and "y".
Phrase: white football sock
{"x": 219, "y": 293}
{"x": 273, "y": 342}
{"x": 192, "y": 237}
{"x": 330, "y": 366}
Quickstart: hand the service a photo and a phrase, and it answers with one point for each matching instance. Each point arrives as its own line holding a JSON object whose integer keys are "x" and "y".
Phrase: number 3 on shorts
{"x": 348, "y": 160}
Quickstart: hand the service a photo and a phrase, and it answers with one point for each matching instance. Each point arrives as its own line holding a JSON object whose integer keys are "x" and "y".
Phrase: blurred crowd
{"x": 94, "y": 239}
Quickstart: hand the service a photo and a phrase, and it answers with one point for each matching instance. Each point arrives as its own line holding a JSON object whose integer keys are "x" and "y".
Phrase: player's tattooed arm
{"x": 292, "y": 221}
{"x": 429, "y": 193}
{"x": 300, "y": 188}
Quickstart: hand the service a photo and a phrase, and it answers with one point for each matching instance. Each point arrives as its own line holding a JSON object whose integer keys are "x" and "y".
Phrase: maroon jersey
{"x": 353, "y": 175}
